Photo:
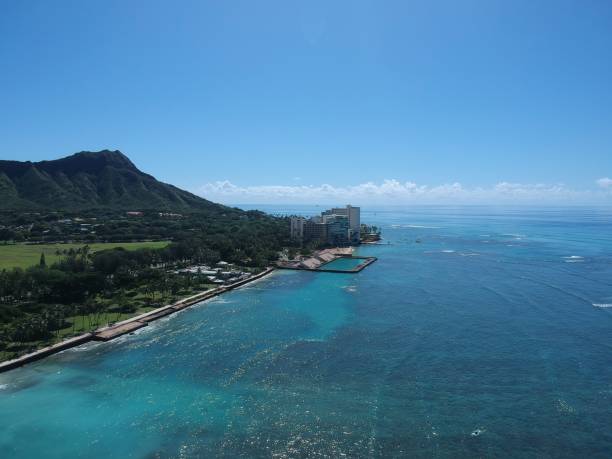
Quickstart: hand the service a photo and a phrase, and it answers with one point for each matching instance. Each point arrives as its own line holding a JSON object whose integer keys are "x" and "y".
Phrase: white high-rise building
{"x": 337, "y": 226}
{"x": 354, "y": 217}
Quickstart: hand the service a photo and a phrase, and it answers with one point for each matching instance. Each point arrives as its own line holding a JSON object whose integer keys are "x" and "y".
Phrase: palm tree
{"x": 73, "y": 311}
{"x": 85, "y": 252}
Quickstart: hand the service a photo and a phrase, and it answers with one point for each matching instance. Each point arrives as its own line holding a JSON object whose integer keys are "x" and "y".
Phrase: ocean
{"x": 479, "y": 332}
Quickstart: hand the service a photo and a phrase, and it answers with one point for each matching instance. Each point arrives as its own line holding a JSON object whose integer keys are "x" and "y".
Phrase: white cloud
{"x": 393, "y": 191}
{"x": 605, "y": 183}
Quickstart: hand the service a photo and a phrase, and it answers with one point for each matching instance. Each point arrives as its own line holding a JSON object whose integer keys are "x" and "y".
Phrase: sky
{"x": 399, "y": 102}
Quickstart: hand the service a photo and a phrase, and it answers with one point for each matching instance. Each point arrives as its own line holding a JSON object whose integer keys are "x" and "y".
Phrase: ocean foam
{"x": 564, "y": 407}
{"x": 85, "y": 347}
{"x": 4, "y": 386}
{"x": 602, "y": 305}
{"x": 421, "y": 226}
{"x": 477, "y": 432}
{"x": 574, "y": 259}
{"x": 219, "y": 300}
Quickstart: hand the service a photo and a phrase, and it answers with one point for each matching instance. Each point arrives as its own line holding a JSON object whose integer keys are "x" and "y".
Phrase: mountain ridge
{"x": 89, "y": 180}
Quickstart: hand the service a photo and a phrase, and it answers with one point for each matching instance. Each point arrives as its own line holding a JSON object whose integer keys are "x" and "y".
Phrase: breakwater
{"x": 328, "y": 267}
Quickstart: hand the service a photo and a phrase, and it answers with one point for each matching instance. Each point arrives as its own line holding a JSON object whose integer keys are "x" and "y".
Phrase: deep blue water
{"x": 481, "y": 340}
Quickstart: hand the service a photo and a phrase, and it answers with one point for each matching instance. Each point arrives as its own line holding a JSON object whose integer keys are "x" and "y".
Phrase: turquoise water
{"x": 481, "y": 340}
{"x": 344, "y": 264}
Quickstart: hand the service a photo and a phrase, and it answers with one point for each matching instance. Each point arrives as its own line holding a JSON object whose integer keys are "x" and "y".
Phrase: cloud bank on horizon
{"x": 605, "y": 183}
{"x": 393, "y": 191}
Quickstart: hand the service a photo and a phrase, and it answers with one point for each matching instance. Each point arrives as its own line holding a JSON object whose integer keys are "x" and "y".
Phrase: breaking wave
{"x": 574, "y": 259}
{"x": 420, "y": 226}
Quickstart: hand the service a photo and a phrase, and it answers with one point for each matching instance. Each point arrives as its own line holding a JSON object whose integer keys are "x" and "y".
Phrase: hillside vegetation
{"x": 89, "y": 180}
{"x": 124, "y": 241}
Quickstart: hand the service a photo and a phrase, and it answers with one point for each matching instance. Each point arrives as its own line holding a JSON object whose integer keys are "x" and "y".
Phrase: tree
{"x": 43, "y": 262}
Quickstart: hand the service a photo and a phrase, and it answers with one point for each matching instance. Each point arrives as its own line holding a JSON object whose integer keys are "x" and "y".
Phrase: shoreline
{"x": 110, "y": 332}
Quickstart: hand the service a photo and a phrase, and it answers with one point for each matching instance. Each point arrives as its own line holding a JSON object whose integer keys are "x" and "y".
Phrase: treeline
{"x": 107, "y": 226}
{"x": 35, "y": 302}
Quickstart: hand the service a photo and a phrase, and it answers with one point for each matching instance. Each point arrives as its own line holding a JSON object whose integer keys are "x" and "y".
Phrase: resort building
{"x": 315, "y": 230}
{"x": 338, "y": 230}
{"x": 297, "y": 228}
{"x": 354, "y": 220}
{"x": 339, "y": 226}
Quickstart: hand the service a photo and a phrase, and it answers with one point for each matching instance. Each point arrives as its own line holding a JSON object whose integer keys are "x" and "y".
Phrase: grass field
{"x": 26, "y": 255}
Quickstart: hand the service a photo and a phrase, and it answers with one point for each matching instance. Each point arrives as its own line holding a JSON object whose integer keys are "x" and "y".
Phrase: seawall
{"x": 126, "y": 326}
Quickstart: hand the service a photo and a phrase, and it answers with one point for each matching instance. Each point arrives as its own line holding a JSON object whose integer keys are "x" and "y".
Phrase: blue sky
{"x": 320, "y": 101}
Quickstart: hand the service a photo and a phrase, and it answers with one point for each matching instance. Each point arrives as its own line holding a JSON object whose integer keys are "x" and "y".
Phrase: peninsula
{"x": 90, "y": 240}
{"x": 91, "y": 248}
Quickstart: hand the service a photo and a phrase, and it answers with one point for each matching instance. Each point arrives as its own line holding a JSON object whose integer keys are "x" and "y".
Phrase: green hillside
{"x": 91, "y": 180}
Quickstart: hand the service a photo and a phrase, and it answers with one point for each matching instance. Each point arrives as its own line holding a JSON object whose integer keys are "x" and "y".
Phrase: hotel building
{"x": 337, "y": 226}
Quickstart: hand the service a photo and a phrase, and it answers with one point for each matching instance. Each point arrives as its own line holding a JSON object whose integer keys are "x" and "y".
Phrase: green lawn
{"x": 26, "y": 255}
